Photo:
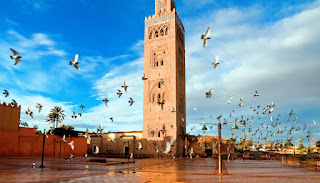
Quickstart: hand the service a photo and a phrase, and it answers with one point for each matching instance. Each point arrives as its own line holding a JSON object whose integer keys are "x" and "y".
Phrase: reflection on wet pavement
{"x": 16, "y": 169}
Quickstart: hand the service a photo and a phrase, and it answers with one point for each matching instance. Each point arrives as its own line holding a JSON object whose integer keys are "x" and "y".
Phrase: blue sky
{"x": 269, "y": 46}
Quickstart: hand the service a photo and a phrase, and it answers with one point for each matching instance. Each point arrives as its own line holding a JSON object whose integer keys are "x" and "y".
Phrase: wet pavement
{"x": 19, "y": 169}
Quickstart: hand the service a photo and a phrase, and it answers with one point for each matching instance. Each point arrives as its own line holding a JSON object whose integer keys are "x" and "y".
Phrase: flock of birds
{"x": 264, "y": 128}
{"x": 272, "y": 128}
{"x": 16, "y": 56}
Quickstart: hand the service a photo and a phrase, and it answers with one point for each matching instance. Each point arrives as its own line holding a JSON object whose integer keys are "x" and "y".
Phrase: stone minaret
{"x": 164, "y": 101}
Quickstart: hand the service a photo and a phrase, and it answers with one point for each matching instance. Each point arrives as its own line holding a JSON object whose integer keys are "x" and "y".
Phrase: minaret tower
{"x": 164, "y": 101}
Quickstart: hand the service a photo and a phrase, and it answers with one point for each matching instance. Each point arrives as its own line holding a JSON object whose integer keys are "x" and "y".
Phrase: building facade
{"x": 164, "y": 102}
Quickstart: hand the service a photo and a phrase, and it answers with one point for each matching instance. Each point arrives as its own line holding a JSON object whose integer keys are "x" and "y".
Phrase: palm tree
{"x": 299, "y": 141}
{"x": 56, "y": 116}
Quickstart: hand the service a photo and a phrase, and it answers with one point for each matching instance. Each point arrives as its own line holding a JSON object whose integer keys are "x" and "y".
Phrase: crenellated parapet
{"x": 9, "y": 116}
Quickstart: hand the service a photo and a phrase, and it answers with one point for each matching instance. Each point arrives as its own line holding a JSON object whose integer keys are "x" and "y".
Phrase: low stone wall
{"x": 301, "y": 161}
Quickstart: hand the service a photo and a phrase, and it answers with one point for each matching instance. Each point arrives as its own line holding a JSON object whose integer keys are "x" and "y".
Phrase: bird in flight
{"x": 119, "y": 93}
{"x": 216, "y": 62}
{"x": 82, "y": 107}
{"x": 106, "y": 101}
{"x": 39, "y": 106}
{"x": 314, "y": 123}
{"x": 125, "y": 86}
{"x": 6, "y": 93}
{"x": 14, "y": 103}
{"x": 30, "y": 112}
{"x": 74, "y": 115}
{"x": 15, "y": 56}
{"x": 144, "y": 77}
{"x": 256, "y": 94}
{"x": 131, "y": 101}
{"x": 209, "y": 94}
{"x": 206, "y": 37}
{"x": 75, "y": 62}
{"x": 111, "y": 119}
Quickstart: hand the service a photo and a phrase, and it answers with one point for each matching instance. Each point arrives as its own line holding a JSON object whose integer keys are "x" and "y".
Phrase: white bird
{"x": 75, "y": 62}
{"x": 234, "y": 110}
{"x": 86, "y": 155}
{"x": 33, "y": 165}
{"x": 140, "y": 145}
{"x": 195, "y": 109}
{"x": 96, "y": 150}
{"x": 168, "y": 148}
{"x": 71, "y": 144}
{"x": 209, "y": 94}
{"x": 30, "y": 112}
{"x": 229, "y": 102}
{"x": 64, "y": 138}
{"x": 15, "y": 56}
{"x": 241, "y": 99}
{"x": 231, "y": 95}
{"x": 206, "y": 37}
{"x": 216, "y": 62}
{"x": 314, "y": 123}
{"x": 271, "y": 118}
{"x": 240, "y": 105}
{"x": 131, "y": 156}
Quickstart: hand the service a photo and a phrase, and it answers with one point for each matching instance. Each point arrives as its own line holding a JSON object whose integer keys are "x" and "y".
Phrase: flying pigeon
{"x": 195, "y": 109}
{"x": 216, "y": 62}
{"x": 71, "y": 144}
{"x": 125, "y": 86}
{"x": 82, "y": 107}
{"x": 241, "y": 99}
{"x": 206, "y": 37}
{"x": 14, "y": 103}
{"x": 208, "y": 94}
{"x": 119, "y": 93}
{"x": 33, "y": 165}
{"x": 6, "y": 93}
{"x": 229, "y": 102}
{"x": 75, "y": 62}
{"x": 30, "y": 112}
{"x": 314, "y": 123}
{"x": 15, "y": 56}
{"x": 256, "y": 94}
{"x": 106, "y": 101}
{"x": 79, "y": 114}
{"x": 74, "y": 115}
{"x": 168, "y": 148}
{"x": 64, "y": 138}
{"x": 39, "y": 106}
{"x": 111, "y": 119}
{"x": 144, "y": 77}
{"x": 231, "y": 95}
{"x": 131, "y": 101}
{"x": 240, "y": 105}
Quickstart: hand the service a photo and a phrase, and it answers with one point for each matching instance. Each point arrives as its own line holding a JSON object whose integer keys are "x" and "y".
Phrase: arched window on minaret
{"x": 167, "y": 31}
{"x": 159, "y": 133}
{"x": 159, "y": 98}
{"x": 157, "y": 63}
{"x": 161, "y": 62}
{"x": 156, "y": 34}
{"x": 159, "y": 85}
{"x": 150, "y": 35}
{"x": 161, "y": 32}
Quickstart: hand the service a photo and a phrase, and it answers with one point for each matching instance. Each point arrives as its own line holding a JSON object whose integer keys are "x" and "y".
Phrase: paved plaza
{"x": 18, "y": 169}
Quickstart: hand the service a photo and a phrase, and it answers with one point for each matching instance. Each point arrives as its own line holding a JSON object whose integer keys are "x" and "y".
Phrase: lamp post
{"x": 43, "y": 142}
{"x": 220, "y": 144}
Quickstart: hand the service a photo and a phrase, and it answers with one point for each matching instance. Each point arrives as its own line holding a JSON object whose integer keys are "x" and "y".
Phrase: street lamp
{"x": 43, "y": 142}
